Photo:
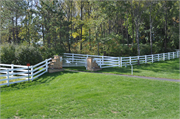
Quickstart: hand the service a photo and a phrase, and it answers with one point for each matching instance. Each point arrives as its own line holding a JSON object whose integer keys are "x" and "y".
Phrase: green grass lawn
{"x": 162, "y": 69}
{"x": 85, "y": 95}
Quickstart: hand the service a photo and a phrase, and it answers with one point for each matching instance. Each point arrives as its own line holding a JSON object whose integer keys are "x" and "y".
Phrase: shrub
{"x": 50, "y": 52}
{"x": 28, "y": 54}
{"x": 7, "y": 54}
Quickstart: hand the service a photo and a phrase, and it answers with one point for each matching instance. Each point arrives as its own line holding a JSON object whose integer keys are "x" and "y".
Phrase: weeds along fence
{"x": 71, "y": 59}
{"x": 10, "y": 73}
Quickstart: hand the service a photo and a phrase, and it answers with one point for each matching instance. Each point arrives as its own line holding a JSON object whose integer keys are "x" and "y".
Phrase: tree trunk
{"x": 109, "y": 26}
{"x": 16, "y": 29}
{"x": 150, "y": 29}
{"x": 13, "y": 30}
{"x": 165, "y": 31}
{"x": 43, "y": 35}
{"x": 71, "y": 20}
{"x": 132, "y": 25}
{"x": 122, "y": 32}
{"x": 89, "y": 29}
{"x": 97, "y": 43}
{"x": 81, "y": 28}
{"x": 137, "y": 39}
{"x": 69, "y": 48}
{"x": 127, "y": 32}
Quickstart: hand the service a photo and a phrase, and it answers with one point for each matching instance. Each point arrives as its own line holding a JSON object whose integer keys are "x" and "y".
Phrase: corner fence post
{"x": 173, "y": 55}
{"x": 152, "y": 58}
{"x": 28, "y": 73}
{"x": 130, "y": 60}
{"x": 31, "y": 72}
{"x": 158, "y": 57}
{"x": 145, "y": 59}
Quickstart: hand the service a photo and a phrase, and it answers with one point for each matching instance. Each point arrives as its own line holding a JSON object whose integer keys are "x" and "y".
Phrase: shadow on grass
{"x": 169, "y": 66}
{"x": 44, "y": 79}
{"x": 118, "y": 70}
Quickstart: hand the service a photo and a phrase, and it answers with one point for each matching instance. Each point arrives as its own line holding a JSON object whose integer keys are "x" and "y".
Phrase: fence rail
{"x": 71, "y": 59}
{"x": 11, "y": 73}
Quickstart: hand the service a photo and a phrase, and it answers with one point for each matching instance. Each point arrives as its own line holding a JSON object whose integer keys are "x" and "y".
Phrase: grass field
{"x": 163, "y": 69}
{"x": 85, "y": 95}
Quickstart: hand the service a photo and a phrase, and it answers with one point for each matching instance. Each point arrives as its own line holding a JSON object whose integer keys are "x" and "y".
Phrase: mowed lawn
{"x": 163, "y": 69}
{"x": 86, "y": 95}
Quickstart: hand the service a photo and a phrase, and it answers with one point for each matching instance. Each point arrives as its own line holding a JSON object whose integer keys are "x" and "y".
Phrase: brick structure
{"x": 92, "y": 65}
{"x": 56, "y": 64}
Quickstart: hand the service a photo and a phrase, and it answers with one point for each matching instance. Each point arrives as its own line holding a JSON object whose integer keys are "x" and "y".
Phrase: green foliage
{"x": 28, "y": 54}
{"x": 20, "y": 54}
{"x": 7, "y": 54}
{"x": 50, "y": 52}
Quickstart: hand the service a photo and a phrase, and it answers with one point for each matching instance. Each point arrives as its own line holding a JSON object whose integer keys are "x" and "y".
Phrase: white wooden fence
{"x": 10, "y": 73}
{"x": 71, "y": 59}
{"x": 18, "y": 73}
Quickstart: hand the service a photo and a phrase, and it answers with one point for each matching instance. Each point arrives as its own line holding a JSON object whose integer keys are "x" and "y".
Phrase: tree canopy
{"x": 117, "y": 28}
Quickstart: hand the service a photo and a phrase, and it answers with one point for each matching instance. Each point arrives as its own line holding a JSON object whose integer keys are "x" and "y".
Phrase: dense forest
{"x": 115, "y": 28}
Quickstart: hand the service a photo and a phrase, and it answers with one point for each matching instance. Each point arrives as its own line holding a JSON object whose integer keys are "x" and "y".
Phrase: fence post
{"x": 121, "y": 61}
{"x": 163, "y": 56}
{"x": 7, "y": 76}
{"x": 130, "y": 60}
{"x": 158, "y": 57}
{"x": 46, "y": 65}
{"x": 102, "y": 59}
{"x": 173, "y": 55}
{"x": 72, "y": 57}
{"x": 138, "y": 60}
{"x": 131, "y": 69}
{"x": 168, "y": 56}
{"x": 12, "y": 66}
{"x": 177, "y": 54}
{"x": 152, "y": 58}
{"x": 146, "y": 59}
{"x": 31, "y": 72}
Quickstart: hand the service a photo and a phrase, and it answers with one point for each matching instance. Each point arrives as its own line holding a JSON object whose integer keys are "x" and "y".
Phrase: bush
{"x": 50, "y": 52}
{"x": 23, "y": 54}
{"x": 28, "y": 54}
{"x": 7, "y": 54}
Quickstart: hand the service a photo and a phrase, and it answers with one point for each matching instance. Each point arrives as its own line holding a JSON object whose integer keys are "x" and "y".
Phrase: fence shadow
{"x": 171, "y": 66}
{"x": 117, "y": 70}
{"x": 44, "y": 79}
